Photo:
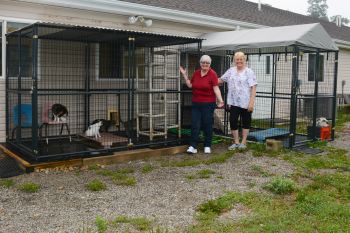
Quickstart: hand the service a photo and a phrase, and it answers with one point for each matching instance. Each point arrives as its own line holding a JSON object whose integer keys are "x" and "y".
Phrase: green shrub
{"x": 7, "y": 183}
{"x": 101, "y": 224}
{"x": 96, "y": 185}
{"x": 147, "y": 168}
{"x": 280, "y": 185}
{"x": 29, "y": 187}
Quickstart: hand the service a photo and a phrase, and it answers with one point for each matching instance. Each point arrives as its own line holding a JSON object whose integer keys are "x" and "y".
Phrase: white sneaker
{"x": 192, "y": 150}
{"x": 233, "y": 147}
{"x": 207, "y": 150}
{"x": 242, "y": 146}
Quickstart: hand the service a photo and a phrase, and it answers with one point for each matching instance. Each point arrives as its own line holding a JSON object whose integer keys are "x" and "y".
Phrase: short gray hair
{"x": 205, "y": 58}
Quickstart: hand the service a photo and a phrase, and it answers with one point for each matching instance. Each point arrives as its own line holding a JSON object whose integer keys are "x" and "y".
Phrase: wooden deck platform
{"x": 117, "y": 157}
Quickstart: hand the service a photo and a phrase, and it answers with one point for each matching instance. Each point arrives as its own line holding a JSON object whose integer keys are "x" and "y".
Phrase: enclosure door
{"x": 263, "y": 69}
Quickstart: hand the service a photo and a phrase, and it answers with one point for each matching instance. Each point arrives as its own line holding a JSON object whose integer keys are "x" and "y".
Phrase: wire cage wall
{"x": 296, "y": 87}
{"x": 80, "y": 91}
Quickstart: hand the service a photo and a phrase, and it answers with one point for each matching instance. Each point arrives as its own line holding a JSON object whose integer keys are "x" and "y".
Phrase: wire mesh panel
{"x": 91, "y": 90}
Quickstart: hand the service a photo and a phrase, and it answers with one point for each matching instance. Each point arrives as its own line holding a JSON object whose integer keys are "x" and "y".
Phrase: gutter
{"x": 130, "y": 9}
{"x": 342, "y": 44}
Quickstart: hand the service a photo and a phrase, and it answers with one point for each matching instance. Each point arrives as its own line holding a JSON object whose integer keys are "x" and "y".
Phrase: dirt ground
{"x": 165, "y": 195}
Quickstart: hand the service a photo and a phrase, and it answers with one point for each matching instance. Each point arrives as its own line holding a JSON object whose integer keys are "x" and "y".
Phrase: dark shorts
{"x": 243, "y": 114}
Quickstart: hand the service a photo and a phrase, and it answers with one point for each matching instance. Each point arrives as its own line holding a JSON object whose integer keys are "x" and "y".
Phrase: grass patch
{"x": 221, "y": 158}
{"x": 124, "y": 180}
{"x": 147, "y": 168}
{"x": 139, "y": 223}
{"x": 224, "y": 203}
{"x": 126, "y": 170}
{"x": 6, "y": 183}
{"x": 201, "y": 174}
{"x": 96, "y": 185}
{"x": 322, "y": 205}
{"x": 119, "y": 177}
{"x": 101, "y": 224}
{"x": 334, "y": 158}
{"x": 94, "y": 167}
{"x": 259, "y": 150}
{"x": 343, "y": 117}
{"x": 281, "y": 186}
{"x": 310, "y": 211}
{"x": 29, "y": 187}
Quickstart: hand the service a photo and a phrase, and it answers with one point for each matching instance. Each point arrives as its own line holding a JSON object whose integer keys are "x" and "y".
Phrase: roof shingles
{"x": 246, "y": 11}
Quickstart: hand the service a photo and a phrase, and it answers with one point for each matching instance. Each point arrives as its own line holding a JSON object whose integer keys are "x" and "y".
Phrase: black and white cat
{"x": 94, "y": 130}
{"x": 106, "y": 124}
{"x": 59, "y": 113}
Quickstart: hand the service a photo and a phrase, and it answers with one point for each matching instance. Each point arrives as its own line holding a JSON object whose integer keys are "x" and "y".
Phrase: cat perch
{"x": 47, "y": 121}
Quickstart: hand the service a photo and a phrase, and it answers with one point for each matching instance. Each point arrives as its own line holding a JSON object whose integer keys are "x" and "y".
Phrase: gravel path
{"x": 164, "y": 195}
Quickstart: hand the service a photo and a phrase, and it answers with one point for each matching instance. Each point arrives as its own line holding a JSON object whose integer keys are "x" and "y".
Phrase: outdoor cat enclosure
{"x": 128, "y": 79}
{"x": 296, "y": 69}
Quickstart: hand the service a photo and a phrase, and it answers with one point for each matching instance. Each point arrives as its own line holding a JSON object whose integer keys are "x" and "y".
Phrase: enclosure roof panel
{"x": 307, "y": 35}
{"x": 56, "y": 31}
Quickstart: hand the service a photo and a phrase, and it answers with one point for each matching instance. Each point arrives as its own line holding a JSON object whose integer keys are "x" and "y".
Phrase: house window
{"x": 268, "y": 65}
{"x": 312, "y": 68}
{"x": 13, "y": 53}
{"x": 112, "y": 61}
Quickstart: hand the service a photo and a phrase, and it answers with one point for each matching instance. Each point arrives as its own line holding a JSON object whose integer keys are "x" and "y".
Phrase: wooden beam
{"x": 117, "y": 157}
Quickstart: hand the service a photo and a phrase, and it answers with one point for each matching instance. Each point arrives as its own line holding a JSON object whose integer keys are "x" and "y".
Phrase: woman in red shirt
{"x": 205, "y": 92}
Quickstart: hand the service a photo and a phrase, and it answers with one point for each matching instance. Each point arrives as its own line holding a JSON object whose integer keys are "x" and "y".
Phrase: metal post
{"x": 19, "y": 95}
{"x": 293, "y": 105}
{"x": 87, "y": 86}
{"x": 35, "y": 90}
{"x": 6, "y": 57}
{"x": 133, "y": 71}
{"x": 273, "y": 90}
{"x": 317, "y": 77}
{"x": 225, "y": 91}
{"x": 130, "y": 68}
{"x": 334, "y": 94}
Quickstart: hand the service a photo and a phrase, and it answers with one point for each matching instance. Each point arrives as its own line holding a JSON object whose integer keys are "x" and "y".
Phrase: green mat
{"x": 187, "y": 132}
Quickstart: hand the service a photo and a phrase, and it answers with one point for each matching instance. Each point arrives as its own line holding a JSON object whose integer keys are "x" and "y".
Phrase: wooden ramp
{"x": 117, "y": 157}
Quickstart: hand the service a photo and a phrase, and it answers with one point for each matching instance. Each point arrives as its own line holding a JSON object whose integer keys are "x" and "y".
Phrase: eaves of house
{"x": 222, "y": 14}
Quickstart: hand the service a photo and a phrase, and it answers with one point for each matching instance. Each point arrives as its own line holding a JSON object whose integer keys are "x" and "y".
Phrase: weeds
{"x": 101, "y": 224}
{"x": 201, "y": 174}
{"x": 280, "y": 185}
{"x": 119, "y": 177}
{"x": 7, "y": 183}
{"x": 29, "y": 187}
{"x": 140, "y": 223}
{"x": 96, "y": 185}
{"x": 147, "y": 168}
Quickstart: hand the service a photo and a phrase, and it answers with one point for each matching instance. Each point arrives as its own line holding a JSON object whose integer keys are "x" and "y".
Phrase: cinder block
{"x": 273, "y": 145}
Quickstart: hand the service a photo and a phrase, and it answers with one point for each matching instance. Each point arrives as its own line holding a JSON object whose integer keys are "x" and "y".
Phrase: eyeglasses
{"x": 205, "y": 62}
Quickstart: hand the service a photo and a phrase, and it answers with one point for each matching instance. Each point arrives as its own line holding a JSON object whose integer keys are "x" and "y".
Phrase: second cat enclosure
{"x": 296, "y": 70}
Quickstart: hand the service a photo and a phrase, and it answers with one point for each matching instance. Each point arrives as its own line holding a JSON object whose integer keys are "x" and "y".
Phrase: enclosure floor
{"x": 63, "y": 149}
{"x": 116, "y": 157}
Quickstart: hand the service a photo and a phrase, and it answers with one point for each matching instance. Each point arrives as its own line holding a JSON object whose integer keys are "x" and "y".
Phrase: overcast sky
{"x": 335, "y": 7}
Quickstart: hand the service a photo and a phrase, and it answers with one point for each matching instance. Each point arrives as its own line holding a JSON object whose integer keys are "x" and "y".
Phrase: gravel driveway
{"x": 165, "y": 196}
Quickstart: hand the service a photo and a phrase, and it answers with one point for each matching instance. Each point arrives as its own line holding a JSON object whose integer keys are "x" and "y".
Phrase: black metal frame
{"x": 31, "y": 90}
